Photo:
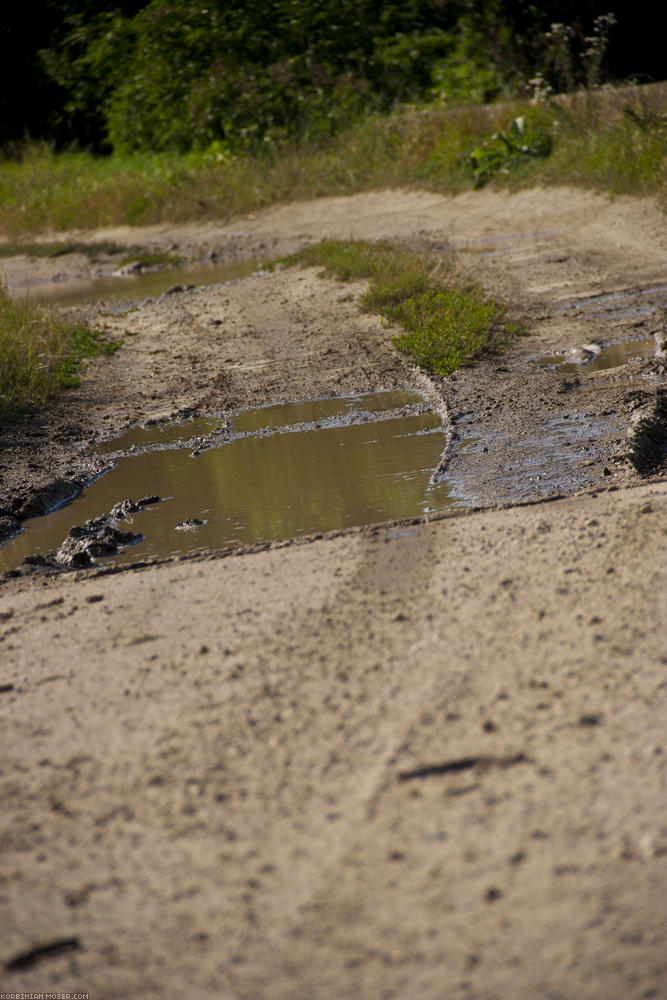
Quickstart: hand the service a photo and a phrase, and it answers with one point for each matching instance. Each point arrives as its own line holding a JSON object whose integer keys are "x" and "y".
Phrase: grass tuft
{"x": 444, "y": 326}
{"x": 447, "y": 328}
{"x": 40, "y": 354}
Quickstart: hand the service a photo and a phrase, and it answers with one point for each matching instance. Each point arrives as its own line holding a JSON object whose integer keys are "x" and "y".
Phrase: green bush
{"x": 180, "y": 75}
{"x": 447, "y": 328}
{"x": 528, "y": 137}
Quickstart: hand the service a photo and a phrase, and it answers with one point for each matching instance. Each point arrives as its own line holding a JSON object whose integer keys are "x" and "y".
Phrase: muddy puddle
{"x": 127, "y": 287}
{"x": 265, "y": 474}
{"x": 593, "y": 358}
{"x": 619, "y": 305}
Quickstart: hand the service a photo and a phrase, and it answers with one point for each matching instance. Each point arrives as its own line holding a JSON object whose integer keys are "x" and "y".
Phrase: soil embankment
{"x": 417, "y": 760}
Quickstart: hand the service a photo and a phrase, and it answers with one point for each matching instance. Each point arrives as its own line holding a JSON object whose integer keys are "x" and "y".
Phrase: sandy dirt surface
{"x": 415, "y": 760}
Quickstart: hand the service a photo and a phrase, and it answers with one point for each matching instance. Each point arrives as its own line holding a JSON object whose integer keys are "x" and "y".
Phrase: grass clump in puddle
{"x": 444, "y": 326}
{"x": 40, "y": 354}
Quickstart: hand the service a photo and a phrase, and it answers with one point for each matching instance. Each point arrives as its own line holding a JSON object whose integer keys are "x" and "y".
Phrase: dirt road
{"x": 419, "y": 760}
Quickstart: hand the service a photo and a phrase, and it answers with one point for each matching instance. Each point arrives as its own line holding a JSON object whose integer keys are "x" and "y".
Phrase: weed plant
{"x": 444, "y": 326}
{"x": 40, "y": 354}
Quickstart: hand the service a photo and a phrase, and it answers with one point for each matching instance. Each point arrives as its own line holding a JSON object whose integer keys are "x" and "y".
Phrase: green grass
{"x": 444, "y": 326}
{"x": 40, "y": 354}
{"x": 592, "y": 141}
{"x": 629, "y": 157}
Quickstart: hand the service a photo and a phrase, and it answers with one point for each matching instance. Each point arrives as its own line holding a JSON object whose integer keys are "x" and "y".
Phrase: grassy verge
{"x": 40, "y": 354}
{"x": 444, "y": 326}
{"x": 612, "y": 143}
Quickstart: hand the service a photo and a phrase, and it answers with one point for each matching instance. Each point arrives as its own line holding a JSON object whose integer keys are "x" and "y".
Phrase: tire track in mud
{"x": 465, "y": 783}
{"x": 381, "y": 646}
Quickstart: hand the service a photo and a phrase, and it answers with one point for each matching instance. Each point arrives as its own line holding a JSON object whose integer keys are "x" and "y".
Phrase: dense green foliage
{"x": 181, "y": 74}
{"x": 40, "y": 354}
{"x": 445, "y": 326}
{"x": 178, "y": 74}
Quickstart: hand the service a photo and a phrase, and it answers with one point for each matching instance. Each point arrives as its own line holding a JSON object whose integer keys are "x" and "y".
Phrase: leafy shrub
{"x": 505, "y": 151}
{"x": 181, "y": 74}
{"x": 466, "y": 75}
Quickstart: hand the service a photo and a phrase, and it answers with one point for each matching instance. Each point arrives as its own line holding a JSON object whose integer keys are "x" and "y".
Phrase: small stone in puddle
{"x": 581, "y": 355}
{"x": 132, "y": 267}
{"x": 189, "y": 524}
{"x": 122, "y": 509}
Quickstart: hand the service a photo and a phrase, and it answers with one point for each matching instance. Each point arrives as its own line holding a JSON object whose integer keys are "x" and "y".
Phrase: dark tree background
{"x": 173, "y": 74}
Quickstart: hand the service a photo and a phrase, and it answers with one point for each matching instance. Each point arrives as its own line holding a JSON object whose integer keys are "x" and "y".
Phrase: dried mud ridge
{"x": 648, "y": 436}
{"x": 34, "y": 956}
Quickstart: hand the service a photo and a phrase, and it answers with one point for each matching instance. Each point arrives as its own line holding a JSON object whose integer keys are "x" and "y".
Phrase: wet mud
{"x": 82, "y": 282}
{"x": 258, "y": 476}
{"x": 573, "y": 403}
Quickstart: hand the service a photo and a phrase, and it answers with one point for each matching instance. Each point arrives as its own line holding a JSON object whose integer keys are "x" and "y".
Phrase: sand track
{"x": 422, "y": 760}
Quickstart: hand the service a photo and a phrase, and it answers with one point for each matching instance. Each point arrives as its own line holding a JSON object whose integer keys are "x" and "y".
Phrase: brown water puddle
{"x": 285, "y": 471}
{"x": 117, "y": 288}
{"x": 611, "y": 356}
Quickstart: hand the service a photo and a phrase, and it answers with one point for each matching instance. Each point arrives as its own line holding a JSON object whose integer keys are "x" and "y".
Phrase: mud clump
{"x": 648, "y": 438}
{"x": 44, "y": 499}
{"x": 190, "y": 524}
{"x": 96, "y": 538}
{"x": 85, "y": 543}
{"x": 9, "y": 526}
{"x": 40, "y": 500}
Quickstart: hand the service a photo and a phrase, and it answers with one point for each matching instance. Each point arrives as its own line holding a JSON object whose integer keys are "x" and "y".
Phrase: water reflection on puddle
{"x": 609, "y": 357}
{"x": 371, "y": 463}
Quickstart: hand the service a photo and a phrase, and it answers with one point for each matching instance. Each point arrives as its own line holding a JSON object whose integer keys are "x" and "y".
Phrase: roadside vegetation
{"x": 147, "y": 111}
{"x": 444, "y": 325}
{"x": 41, "y": 354}
{"x": 598, "y": 141}
{"x": 57, "y": 248}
